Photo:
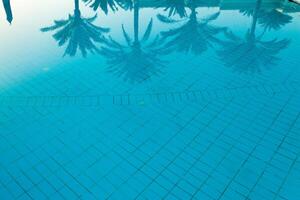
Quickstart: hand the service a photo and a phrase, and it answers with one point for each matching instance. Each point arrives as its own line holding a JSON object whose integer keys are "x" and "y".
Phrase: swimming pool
{"x": 149, "y": 99}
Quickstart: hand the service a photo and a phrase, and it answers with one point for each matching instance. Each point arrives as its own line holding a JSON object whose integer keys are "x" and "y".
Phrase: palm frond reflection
{"x": 252, "y": 53}
{"x": 138, "y": 59}
{"x": 201, "y": 34}
{"x": 106, "y": 5}
{"x": 249, "y": 54}
{"x": 175, "y": 7}
{"x": 78, "y": 32}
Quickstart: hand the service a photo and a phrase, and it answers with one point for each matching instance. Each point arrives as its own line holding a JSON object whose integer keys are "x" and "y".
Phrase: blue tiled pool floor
{"x": 233, "y": 148}
{"x": 215, "y": 115}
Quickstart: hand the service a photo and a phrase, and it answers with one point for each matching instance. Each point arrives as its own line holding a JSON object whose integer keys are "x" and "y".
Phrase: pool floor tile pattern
{"x": 233, "y": 148}
{"x": 199, "y": 130}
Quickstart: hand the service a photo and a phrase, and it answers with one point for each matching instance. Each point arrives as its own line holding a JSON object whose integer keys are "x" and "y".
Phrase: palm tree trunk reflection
{"x": 254, "y": 19}
{"x": 136, "y": 22}
{"x": 8, "y": 11}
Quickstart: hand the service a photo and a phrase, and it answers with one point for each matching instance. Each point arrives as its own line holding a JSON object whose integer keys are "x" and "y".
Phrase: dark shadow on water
{"x": 78, "y": 33}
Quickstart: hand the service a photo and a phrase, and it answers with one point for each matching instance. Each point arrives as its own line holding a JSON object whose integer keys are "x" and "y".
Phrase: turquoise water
{"x": 149, "y": 99}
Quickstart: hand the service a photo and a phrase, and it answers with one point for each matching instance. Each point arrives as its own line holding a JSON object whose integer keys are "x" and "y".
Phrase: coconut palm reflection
{"x": 80, "y": 33}
{"x": 8, "y": 12}
{"x": 194, "y": 35}
{"x": 137, "y": 60}
{"x": 269, "y": 18}
{"x": 273, "y": 19}
{"x": 251, "y": 53}
{"x": 174, "y": 7}
{"x": 105, "y": 5}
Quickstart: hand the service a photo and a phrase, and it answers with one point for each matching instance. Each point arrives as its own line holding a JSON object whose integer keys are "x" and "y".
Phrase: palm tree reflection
{"x": 80, "y": 33}
{"x": 268, "y": 18}
{"x": 249, "y": 54}
{"x": 174, "y": 7}
{"x": 273, "y": 19}
{"x": 105, "y": 5}
{"x": 138, "y": 60}
{"x": 195, "y": 34}
{"x": 7, "y": 8}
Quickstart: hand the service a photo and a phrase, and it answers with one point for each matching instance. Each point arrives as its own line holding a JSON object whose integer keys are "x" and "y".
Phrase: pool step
{"x": 144, "y": 99}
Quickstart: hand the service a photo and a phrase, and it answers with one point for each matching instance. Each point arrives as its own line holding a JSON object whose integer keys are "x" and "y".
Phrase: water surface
{"x": 141, "y": 99}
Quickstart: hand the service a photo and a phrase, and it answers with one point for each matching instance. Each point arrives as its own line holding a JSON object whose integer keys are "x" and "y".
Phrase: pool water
{"x": 150, "y": 99}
